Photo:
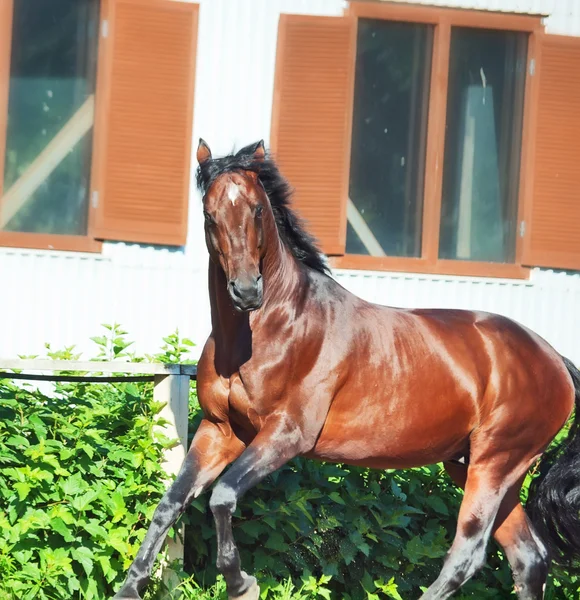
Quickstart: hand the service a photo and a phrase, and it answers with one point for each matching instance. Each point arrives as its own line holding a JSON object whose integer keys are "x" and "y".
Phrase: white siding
{"x": 563, "y": 16}
{"x": 62, "y": 298}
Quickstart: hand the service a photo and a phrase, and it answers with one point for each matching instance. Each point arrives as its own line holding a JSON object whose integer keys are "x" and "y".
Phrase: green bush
{"x": 80, "y": 478}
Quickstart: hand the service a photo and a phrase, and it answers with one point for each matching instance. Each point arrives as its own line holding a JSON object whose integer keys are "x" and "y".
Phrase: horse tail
{"x": 554, "y": 496}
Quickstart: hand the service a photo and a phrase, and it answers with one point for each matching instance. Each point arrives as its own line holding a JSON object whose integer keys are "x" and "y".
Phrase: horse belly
{"x": 383, "y": 434}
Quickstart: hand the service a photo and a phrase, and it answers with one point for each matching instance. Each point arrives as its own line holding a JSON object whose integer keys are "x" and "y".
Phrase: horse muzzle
{"x": 246, "y": 294}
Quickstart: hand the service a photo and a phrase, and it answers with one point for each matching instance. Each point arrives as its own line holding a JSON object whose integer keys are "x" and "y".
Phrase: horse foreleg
{"x": 274, "y": 445}
{"x": 213, "y": 447}
{"x": 512, "y": 529}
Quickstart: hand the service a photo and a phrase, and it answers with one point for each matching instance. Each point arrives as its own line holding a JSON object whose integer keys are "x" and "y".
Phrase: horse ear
{"x": 260, "y": 151}
{"x": 203, "y": 152}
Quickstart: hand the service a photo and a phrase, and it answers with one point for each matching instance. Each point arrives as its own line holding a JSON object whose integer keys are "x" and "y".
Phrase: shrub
{"x": 81, "y": 476}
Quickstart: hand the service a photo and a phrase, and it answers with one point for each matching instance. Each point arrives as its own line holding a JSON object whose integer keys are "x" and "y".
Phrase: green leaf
{"x": 116, "y": 503}
{"x": 85, "y": 557}
{"x": 94, "y": 528}
{"x": 133, "y": 390}
{"x": 324, "y": 592}
{"x": 60, "y": 527}
{"x": 348, "y": 551}
{"x": 276, "y": 541}
{"x": 108, "y": 571}
{"x": 335, "y": 496}
{"x": 437, "y": 504}
{"x": 73, "y": 485}
{"x": 19, "y": 441}
{"x": 38, "y": 426}
{"x": 23, "y": 490}
{"x": 84, "y": 501}
{"x": 252, "y": 528}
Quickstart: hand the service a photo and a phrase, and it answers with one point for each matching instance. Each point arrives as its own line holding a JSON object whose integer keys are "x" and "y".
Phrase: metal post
{"x": 173, "y": 391}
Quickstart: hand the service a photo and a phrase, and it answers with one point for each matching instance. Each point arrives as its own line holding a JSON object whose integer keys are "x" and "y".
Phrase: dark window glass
{"x": 482, "y": 145}
{"x": 391, "y": 101}
{"x": 50, "y": 117}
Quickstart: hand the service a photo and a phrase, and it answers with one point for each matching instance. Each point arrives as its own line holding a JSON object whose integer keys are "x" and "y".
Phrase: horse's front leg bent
{"x": 213, "y": 447}
{"x": 275, "y": 444}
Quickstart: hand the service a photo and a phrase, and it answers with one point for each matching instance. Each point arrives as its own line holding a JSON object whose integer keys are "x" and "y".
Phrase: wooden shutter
{"x": 144, "y": 120}
{"x": 5, "y": 51}
{"x": 552, "y": 238}
{"x": 312, "y": 115}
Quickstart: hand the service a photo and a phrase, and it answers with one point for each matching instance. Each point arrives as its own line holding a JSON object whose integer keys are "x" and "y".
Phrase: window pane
{"x": 482, "y": 145}
{"x": 50, "y": 116}
{"x": 391, "y": 99}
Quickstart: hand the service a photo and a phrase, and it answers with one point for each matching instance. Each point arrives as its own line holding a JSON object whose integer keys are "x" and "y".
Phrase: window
{"x": 478, "y": 215}
{"x": 95, "y": 129}
{"x": 391, "y": 98}
{"x": 48, "y": 145}
{"x": 435, "y": 168}
{"x": 481, "y": 165}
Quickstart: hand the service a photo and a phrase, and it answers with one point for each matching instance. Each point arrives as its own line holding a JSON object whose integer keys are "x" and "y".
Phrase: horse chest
{"x": 242, "y": 406}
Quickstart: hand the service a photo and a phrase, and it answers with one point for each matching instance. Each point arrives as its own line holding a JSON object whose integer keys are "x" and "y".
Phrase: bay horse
{"x": 295, "y": 365}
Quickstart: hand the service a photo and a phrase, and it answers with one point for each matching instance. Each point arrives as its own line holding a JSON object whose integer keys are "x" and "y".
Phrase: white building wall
{"x": 63, "y": 298}
{"x": 563, "y": 16}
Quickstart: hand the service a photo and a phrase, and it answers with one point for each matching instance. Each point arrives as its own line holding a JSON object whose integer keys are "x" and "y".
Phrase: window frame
{"x": 40, "y": 241}
{"x": 442, "y": 20}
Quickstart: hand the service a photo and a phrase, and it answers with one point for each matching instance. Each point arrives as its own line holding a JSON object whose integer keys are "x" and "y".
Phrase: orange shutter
{"x": 5, "y": 51}
{"x": 144, "y": 120}
{"x": 553, "y": 219}
{"x": 311, "y": 121}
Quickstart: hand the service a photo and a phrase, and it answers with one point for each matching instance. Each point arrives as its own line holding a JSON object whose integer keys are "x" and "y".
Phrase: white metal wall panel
{"x": 64, "y": 300}
{"x": 564, "y": 19}
{"x": 535, "y": 7}
{"x": 563, "y": 16}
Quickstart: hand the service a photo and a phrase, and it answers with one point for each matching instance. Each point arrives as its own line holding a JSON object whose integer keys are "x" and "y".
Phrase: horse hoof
{"x": 252, "y": 593}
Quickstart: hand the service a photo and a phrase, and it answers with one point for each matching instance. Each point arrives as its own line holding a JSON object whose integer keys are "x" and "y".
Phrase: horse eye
{"x": 208, "y": 218}
{"x": 259, "y": 210}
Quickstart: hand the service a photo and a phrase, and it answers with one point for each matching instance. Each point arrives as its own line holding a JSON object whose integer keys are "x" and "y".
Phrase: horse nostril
{"x": 235, "y": 289}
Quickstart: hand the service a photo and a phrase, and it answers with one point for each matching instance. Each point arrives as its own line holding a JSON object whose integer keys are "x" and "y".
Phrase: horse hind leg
{"x": 513, "y": 530}
{"x": 487, "y": 483}
{"x": 525, "y": 552}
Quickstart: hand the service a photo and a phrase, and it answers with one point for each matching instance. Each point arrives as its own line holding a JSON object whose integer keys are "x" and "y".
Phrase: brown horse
{"x": 297, "y": 366}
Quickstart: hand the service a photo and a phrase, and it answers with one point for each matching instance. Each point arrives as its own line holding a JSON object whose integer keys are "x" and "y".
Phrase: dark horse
{"x": 297, "y": 366}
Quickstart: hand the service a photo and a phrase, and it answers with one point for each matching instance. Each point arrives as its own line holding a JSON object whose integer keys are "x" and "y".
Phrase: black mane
{"x": 290, "y": 227}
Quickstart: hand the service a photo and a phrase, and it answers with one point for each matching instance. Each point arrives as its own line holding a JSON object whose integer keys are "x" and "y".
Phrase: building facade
{"x": 433, "y": 148}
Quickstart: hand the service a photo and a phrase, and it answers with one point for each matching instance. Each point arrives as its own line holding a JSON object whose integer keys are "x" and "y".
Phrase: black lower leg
{"x": 269, "y": 451}
{"x": 223, "y": 505}
{"x": 171, "y": 506}
{"x": 467, "y": 555}
{"x": 530, "y": 566}
{"x": 464, "y": 559}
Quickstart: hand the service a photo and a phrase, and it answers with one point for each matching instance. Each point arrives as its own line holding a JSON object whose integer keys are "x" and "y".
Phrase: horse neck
{"x": 281, "y": 272}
